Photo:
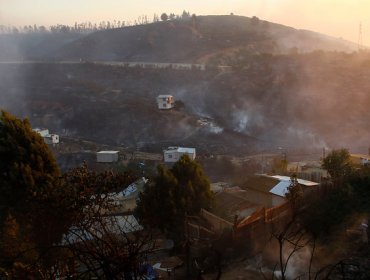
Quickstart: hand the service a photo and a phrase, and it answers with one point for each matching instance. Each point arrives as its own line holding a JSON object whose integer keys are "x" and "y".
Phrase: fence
{"x": 253, "y": 233}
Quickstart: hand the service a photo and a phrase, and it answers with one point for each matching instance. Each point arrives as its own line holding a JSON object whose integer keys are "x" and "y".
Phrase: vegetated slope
{"x": 201, "y": 39}
{"x": 294, "y": 101}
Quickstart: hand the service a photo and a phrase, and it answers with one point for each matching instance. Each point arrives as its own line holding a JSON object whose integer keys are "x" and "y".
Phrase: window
{"x": 169, "y": 156}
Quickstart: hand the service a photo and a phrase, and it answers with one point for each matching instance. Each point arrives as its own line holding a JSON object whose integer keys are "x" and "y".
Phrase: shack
{"x": 173, "y": 154}
{"x": 165, "y": 102}
{"x": 107, "y": 156}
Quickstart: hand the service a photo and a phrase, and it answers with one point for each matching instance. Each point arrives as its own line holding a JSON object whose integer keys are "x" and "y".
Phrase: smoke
{"x": 215, "y": 129}
{"x": 240, "y": 120}
{"x": 305, "y": 137}
{"x": 297, "y": 267}
{"x": 13, "y": 97}
{"x": 209, "y": 125}
{"x": 298, "y": 264}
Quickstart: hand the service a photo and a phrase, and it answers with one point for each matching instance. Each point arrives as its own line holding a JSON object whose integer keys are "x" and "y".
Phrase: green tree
{"x": 193, "y": 185}
{"x": 295, "y": 194}
{"x": 174, "y": 193}
{"x": 27, "y": 167}
{"x": 30, "y": 197}
{"x": 338, "y": 164}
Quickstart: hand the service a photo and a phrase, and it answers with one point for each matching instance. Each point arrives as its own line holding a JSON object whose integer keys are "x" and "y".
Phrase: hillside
{"x": 33, "y": 46}
{"x": 295, "y": 101}
{"x": 203, "y": 39}
{"x": 276, "y": 93}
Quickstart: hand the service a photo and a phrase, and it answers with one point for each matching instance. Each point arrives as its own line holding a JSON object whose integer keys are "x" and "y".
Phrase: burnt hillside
{"x": 203, "y": 39}
{"x": 309, "y": 100}
{"x": 198, "y": 40}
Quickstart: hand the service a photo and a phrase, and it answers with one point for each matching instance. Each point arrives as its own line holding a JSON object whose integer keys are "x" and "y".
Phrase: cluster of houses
{"x": 48, "y": 138}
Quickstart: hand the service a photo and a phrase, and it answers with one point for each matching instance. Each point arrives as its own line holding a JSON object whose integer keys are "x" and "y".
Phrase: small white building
{"x": 48, "y": 138}
{"x": 51, "y": 139}
{"x": 42, "y": 131}
{"x": 165, "y": 102}
{"x": 173, "y": 154}
{"x": 107, "y": 156}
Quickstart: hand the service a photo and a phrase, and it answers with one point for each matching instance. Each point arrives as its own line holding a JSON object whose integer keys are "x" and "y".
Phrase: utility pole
{"x": 360, "y": 37}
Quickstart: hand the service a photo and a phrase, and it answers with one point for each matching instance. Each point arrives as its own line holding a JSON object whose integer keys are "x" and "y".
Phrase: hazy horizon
{"x": 340, "y": 18}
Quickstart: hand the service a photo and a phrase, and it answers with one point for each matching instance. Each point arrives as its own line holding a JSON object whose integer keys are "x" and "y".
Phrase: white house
{"x": 107, "y": 156}
{"x": 48, "y": 138}
{"x": 51, "y": 139}
{"x": 173, "y": 154}
{"x": 42, "y": 131}
{"x": 165, "y": 101}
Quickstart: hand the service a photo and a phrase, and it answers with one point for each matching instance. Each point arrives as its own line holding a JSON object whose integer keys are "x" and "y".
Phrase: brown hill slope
{"x": 202, "y": 39}
{"x": 310, "y": 100}
{"x": 197, "y": 40}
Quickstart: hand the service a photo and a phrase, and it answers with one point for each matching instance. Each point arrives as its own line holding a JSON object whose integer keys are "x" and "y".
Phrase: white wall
{"x": 107, "y": 157}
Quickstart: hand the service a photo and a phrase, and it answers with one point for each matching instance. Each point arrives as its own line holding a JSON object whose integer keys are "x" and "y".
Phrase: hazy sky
{"x": 339, "y": 18}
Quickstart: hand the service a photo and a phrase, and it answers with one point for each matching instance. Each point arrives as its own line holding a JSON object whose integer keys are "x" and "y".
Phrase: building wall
{"x": 277, "y": 200}
{"x": 43, "y": 132}
{"x": 51, "y": 139}
{"x": 218, "y": 224}
{"x": 106, "y": 157}
{"x": 165, "y": 102}
{"x": 171, "y": 156}
{"x": 174, "y": 155}
{"x": 255, "y": 232}
{"x": 191, "y": 155}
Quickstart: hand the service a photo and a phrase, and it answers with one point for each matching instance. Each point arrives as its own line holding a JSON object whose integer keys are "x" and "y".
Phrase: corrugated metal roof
{"x": 281, "y": 188}
{"x": 109, "y": 224}
{"x": 300, "y": 181}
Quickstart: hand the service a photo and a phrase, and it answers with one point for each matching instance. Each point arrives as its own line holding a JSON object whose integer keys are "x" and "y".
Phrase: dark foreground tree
{"x": 28, "y": 170}
{"x": 174, "y": 193}
{"x": 31, "y": 203}
{"x": 338, "y": 164}
{"x": 105, "y": 246}
{"x": 55, "y": 226}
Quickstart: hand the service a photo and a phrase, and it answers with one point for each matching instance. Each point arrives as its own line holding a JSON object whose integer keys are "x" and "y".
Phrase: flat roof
{"x": 180, "y": 150}
{"x": 186, "y": 150}
{"x": 108, "y": 152}
{"x": 164, "y": 95}
{"x": 261, "y": 183}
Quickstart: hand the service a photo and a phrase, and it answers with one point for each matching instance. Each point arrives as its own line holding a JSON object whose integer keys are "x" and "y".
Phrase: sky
{"x": 338, "y": 18}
